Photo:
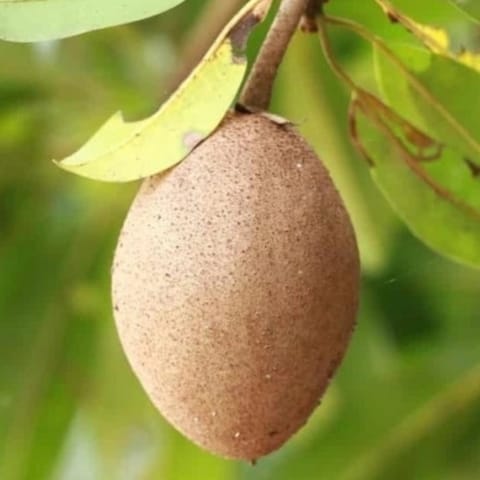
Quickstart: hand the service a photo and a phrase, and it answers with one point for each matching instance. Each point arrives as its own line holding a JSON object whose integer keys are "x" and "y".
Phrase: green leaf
{"x": 417, "y": 85}
{"x": 438, "y": 13}
{"x": 441, "y": 15}
{"x": 122, "y": 152}
{"x": 472, "y": 7}
{"x": 423, "y": 95}
{"x": 429, "y": 185}
{"x": 40, "y": 20}
{"x": 428, "y": 166}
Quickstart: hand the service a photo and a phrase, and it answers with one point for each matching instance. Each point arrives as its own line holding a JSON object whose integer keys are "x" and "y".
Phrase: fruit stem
{"x": 257, "y": 92}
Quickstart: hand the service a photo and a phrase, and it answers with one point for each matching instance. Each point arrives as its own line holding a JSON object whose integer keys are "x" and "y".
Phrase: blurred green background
{"x": 406, "y": 401}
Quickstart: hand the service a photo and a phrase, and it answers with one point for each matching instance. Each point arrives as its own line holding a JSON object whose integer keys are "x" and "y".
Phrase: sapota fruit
{"x": 235, "y": 286}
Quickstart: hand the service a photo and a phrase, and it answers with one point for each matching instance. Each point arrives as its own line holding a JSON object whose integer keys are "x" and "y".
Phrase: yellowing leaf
{"x": 122, "y": 152}
{"x": 469, "y": 59}
{"x": 436, "y": 39}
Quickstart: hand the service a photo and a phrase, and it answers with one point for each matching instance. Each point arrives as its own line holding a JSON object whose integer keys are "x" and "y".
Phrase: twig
{"x": 308, "y": 24}
{"x": 258, "y": 88}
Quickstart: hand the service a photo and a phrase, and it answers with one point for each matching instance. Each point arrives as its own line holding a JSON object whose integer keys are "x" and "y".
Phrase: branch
{"x": 308, "y": 24}
{"x": 257, "y": 92}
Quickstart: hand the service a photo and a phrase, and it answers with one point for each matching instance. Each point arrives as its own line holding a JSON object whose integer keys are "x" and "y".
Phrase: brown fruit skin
{"x": 235, "y": 287}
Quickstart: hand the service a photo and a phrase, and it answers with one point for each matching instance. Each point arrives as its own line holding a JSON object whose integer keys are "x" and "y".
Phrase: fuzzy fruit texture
{"x": 235, "y": 287}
